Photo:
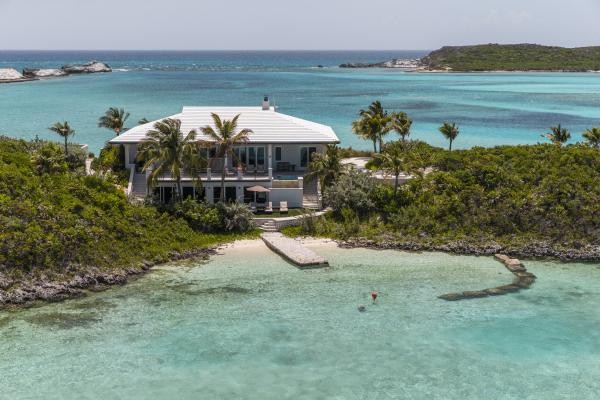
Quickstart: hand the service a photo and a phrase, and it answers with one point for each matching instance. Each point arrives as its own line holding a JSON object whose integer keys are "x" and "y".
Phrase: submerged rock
{"x": 452, "y": 296}
{"x": 89, "y": 68}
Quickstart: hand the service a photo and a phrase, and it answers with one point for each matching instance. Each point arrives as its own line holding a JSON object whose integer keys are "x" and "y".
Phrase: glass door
{"x": 306, "y": 155}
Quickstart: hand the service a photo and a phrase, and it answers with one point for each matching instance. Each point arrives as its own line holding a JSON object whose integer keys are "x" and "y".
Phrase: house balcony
{"x": 277, "y": 178}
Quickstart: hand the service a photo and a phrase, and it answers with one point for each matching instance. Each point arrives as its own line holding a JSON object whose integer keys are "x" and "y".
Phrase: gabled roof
{"x": 268, "y": 126}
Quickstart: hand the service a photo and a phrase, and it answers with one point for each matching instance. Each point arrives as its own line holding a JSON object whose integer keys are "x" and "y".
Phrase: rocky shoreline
{"x": 11, "y": 75}
{"x": 531, "y": 250}
{"x": 41, "y": 288}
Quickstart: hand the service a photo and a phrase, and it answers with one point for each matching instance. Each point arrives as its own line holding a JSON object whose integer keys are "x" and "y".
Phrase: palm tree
{"x": 450, "y": 132}
{"x": 400, "y": 123}
{"x": 558, "y": 135}
{"x": 374, "y": 124}
{"x": 167, "y": 149}
{"x": 225, "y": 137}
{"x": 114, "y": 119}
{"x": 364, "y": 130}
{"x": 326, "y": 166}
{"x": 64, "y": 130}
{"x": 391, "y": 160}
{"x": 592, "y": 136}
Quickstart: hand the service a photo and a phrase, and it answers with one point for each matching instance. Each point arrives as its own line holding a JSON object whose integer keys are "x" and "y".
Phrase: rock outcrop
{"x": 43, "y": 73}
{"x": 523, "y": 280}
{"x": 8, "y": 75}
{"x": 89, "y": 68}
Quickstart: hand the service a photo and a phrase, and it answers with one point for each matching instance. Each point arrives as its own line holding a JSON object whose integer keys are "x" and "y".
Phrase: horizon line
{"x": 166, "y": 50}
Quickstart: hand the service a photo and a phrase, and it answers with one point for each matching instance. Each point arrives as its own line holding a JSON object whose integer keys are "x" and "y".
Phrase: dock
{"x": 293, "y": 251}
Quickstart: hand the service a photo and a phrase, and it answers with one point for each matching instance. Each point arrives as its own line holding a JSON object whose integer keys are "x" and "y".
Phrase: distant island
{"x": 499, "y": 57}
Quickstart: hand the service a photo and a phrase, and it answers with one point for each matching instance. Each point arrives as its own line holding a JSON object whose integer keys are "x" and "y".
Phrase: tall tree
{"x": 374, "y": 124}
{"x": 167, "y": 150}
{"x": 558, "y": 135}
{"x": 326, "y": 167}
{"x": 224, "y": 136}
{"x": 392, "y": 160}
{"x": 592, "y": 137}
{"x": 450, "y": 132}
{"x": 114, "y": 119}
{"x": 64, "y": 130}
{"x": 401, "y": 123}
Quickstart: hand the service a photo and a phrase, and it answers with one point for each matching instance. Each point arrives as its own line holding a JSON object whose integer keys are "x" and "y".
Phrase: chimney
{"x": 265, "y": 104}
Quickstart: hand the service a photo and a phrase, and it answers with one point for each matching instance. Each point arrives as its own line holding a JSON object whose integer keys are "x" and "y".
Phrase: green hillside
{"x": 513, "y": 57}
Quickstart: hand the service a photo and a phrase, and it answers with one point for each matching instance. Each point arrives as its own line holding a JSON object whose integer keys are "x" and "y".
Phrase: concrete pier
{"x": 293, "y": 251}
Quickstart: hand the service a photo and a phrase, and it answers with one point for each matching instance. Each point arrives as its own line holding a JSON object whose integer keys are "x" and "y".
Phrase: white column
{"x": 126, "y": 147}
{"x": 270, "y": 160}
{"x": 208, "y": 174}
{"x": 209, "y": 191}
{"x": 239, "y": 194}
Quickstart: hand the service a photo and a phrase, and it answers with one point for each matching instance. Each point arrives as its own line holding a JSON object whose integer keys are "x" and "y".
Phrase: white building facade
{"x": 276, "y": 156}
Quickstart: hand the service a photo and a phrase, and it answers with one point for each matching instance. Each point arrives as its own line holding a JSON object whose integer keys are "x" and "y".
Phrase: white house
{"x": 276, "y": 156}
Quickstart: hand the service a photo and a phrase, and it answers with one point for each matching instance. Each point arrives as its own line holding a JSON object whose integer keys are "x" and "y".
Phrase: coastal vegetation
{"x": 513, "y": 57}
{"x": 532, "y": 199}
{"x": 56, "y": 223}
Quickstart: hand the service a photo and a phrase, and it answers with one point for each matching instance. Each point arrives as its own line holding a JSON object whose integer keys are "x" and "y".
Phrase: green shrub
{"x": 354, "y": 191}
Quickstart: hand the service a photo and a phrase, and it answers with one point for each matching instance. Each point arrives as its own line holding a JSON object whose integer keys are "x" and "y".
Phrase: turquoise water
{"x": 492, "y": 108}
{"x": 248, "y": 325}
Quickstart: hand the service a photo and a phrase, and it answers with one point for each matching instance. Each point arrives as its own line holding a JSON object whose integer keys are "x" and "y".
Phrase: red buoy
{"x": 374, "y": 295}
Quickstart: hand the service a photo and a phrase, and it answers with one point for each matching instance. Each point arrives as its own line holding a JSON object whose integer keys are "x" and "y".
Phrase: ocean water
{"x": 249, "y": 325}
{"x": 491, "y": 108}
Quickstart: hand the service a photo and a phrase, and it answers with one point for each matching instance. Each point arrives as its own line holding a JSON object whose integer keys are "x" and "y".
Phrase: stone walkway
{"x": 293, "y": 251}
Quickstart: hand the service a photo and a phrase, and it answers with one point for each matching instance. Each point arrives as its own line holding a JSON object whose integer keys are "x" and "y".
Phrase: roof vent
{"x": 266, "y": 105}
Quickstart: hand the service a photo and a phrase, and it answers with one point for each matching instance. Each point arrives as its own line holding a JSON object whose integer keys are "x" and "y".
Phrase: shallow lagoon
{"x": 249, "y": 325}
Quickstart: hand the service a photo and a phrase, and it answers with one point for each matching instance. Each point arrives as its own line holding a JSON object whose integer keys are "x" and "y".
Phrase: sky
{"x": 293, "y": 25}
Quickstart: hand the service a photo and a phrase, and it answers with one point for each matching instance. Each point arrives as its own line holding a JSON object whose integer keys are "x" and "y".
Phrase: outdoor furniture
{"x": 253, "y": 207}
{"x": 283, "y": 207}
{"x": 269, "y": 209}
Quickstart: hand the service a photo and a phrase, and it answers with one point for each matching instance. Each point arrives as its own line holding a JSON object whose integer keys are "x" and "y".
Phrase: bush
{"x": 235, "y": 217}
{"x": 200, "y": 216}
{"x": 111, "y": 158}
{"x": 353, "y": 190}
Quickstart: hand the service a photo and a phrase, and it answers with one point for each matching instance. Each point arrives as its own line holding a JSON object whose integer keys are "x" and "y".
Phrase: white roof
{"x": 268, "y": 126}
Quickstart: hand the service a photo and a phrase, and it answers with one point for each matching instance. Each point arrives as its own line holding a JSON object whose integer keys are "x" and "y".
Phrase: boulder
{"x": 475, "y": 294}
{"x": 11, "y": 75}
{"x": 43, "y": 73}
{"x": 495, "y": 291}
{"x": 452, "y": 296}
{"x": 89, "y": 68}
{"x": 514, "y": 265}
{"x": 501, "y": 257}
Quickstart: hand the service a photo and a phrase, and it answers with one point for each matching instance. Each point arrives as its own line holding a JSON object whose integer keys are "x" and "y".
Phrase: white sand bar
{"x": 293, "y": 251}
